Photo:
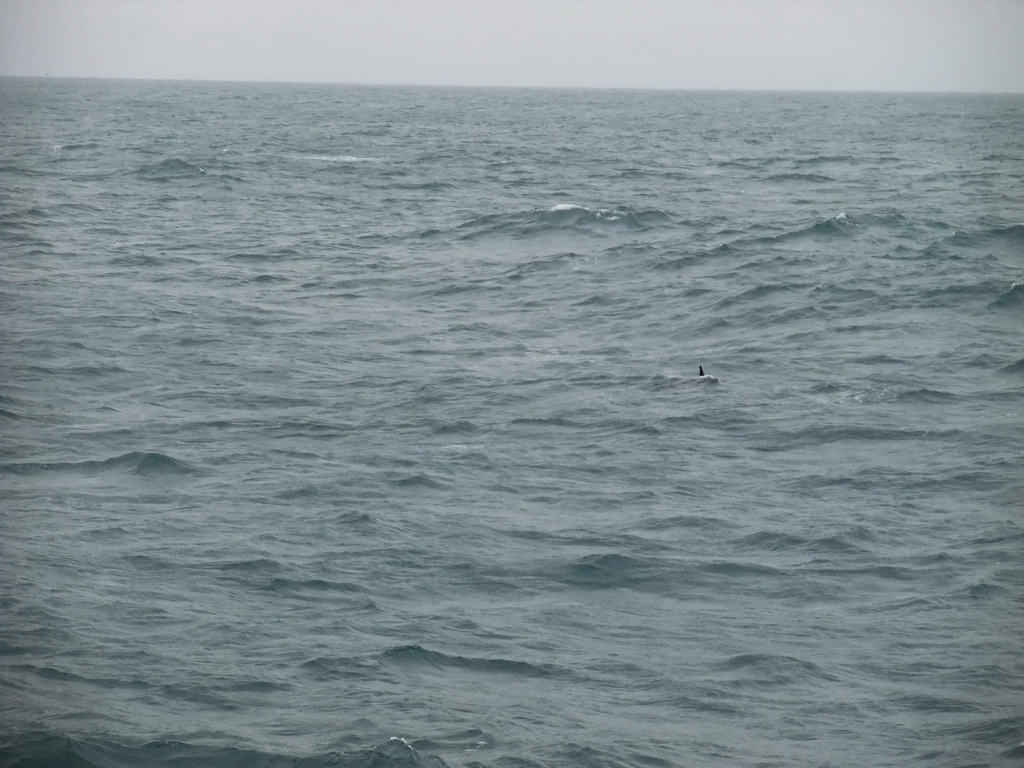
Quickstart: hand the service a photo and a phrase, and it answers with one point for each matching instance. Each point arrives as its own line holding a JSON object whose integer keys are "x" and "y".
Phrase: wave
{"x": 23, "y": 219}
{"x": 333, "y": 668}
{"x": 996, "y": 732}
{"x": 169, "y": 169}
{"x": 1012, "y": 235}
{"x": 426, "y": 186}
{"x": 59, "y": 750}
{"x": 553, "y": 421}
{"x": 850, "y": 543}
{"x": 417, "y": 656}
{"x": 270, "y": 254}
{"x": 828, "y": 434}
{"x": 816, "y": 178}
{"x": 7, "y": 403}
{"x": 884, "y": 393}
{"x": 840, "y": 225}
{"x": 682, "y": 262}
{"x": 55, "y": 211}
{"x": 564, "y": 218}
{"x": 683, "y": 521}
{"x": 885, "y": 572}
{"x": 75, "y": 147}
{"x": 1013, "y": 298}
{"x": 661, "y": 576}
{"x": 418, "y": 480}
{"x": 753, "y": 163}
{"x": 835, "y": 228}
{"x": 310, "y": 588}
{"x": 613, "y": 570}
{"x": 763, "y": 291}
{"x": 762, "y": 669}
{"x": 926, "y": 395}
{"x": 256, "y": 565}
{"x": 22, "y": 171}
{"x": 543, "y": 264}
{"x": 826, "y": 159}
{"x": 985, "y": 591}
{"x": 1017, "y": 367}
{"x": 325, "y": 158}
{"x": 175, "y": 168}
{"x": 150, "y": 465}
{"x": 742, "y": 162}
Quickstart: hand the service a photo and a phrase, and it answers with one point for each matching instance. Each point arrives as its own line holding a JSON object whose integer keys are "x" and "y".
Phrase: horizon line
{"x": 354, "y": 84}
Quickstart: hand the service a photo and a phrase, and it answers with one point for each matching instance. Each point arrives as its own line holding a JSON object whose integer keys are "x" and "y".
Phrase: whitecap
{"x": 342, "y": 158}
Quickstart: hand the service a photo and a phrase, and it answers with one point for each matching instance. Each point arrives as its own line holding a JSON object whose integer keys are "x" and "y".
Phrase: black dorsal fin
{"x": 701, "y": 369}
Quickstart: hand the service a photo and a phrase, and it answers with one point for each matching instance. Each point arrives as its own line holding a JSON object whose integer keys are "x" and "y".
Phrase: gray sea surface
{"x": 362, "y": 426}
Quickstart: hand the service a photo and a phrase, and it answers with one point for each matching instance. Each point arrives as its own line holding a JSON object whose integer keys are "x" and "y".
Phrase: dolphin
{"x": 702, "y": 378}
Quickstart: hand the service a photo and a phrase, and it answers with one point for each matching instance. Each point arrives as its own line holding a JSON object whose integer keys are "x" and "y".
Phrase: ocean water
{"x": 362, "y": 427}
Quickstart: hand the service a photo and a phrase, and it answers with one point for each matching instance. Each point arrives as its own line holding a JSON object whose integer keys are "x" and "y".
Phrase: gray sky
{"x": 900, "y": 45}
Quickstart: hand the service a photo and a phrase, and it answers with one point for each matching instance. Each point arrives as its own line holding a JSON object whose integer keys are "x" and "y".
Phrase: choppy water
{"x": 356, "y": 426}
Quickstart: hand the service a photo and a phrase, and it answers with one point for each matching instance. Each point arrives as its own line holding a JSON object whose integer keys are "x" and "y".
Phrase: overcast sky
{"x": 901, "y": 45}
